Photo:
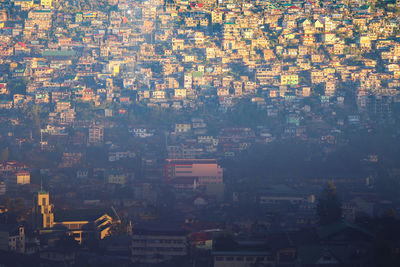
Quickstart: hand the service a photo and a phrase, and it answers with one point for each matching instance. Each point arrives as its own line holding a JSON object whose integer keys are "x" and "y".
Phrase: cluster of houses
{"x": 296, "y": 62}
{"x": 76, "y": 77}
{"x": 179, "y": 54}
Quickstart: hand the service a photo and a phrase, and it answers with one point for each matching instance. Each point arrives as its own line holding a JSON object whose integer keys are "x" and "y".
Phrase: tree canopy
{"x": 329, "y": 207}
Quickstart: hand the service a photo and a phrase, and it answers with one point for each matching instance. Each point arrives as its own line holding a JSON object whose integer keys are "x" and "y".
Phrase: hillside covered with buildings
{"x": 199, "y": 133}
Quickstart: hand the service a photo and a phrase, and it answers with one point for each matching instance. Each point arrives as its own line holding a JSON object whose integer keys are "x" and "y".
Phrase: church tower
{"x": 43, "y": 216}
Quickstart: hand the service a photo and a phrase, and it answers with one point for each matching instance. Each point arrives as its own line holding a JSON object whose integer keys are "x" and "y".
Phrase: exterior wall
{"x": 96, "y": 134}
{"x": 241, "y": 260}
{"x": 116, "y": 179}
{"x": 4, "y": 241}
{"x": 207, "y": 172}
{"x": 82, "y": 230}
{"x": 157, "y": 248}
{"x": 17, "y": 241}
{"x": 13, "y": 241}
{"x": 279, "y": 200}
{"x": 23, "y": 177}
{"x": 43, "y": 211}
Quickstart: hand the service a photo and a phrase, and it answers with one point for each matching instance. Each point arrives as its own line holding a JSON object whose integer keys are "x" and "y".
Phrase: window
{"x": 183, "y": 166}
{"x": 229, "y": 258}
{"x": 219, "y": 258}
{"x": 239, "y": 258}
{"x": 249, "y": 258}
{"x": 183, "y": 171}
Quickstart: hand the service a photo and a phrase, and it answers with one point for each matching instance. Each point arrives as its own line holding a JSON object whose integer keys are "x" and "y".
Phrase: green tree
{"x": 225, "y": 242}
{"x": 329, "y": 207}
{"x": 16, "y": 210}
{"x": 17, "y": 86}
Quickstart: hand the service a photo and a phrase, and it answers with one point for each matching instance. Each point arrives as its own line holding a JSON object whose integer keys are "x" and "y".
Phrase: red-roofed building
{"x": 201, "y": 240}
{"x": 21, "y": 48}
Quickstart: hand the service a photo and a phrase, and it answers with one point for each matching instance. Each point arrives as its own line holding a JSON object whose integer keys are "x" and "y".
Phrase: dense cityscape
{"x": 200, "y": 133}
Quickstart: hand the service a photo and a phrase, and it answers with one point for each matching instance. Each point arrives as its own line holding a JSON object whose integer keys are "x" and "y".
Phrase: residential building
{"x": 157, "y": 243}
{"x": 12, "y": 238}
{"x": 96, "y": 134}
{"x": 206, "y": 171}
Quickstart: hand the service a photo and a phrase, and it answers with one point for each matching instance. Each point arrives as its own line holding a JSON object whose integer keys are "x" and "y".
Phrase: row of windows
{"x": 183, "y": 171}
{"x": 158, "y": 241}
{"x": 273, "y": 201}
{"x": 183, "y": 166}
{"x": 251, "y": 259}
{"x": 156, "y": 249}
{"x": 12, "y": 239}
{"x": 74, "y": 225}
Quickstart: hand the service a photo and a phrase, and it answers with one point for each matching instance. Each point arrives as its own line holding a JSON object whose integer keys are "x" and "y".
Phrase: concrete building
{"x": 43, "y": 216}
{"x": 3, "y": 188}
{"x": 12, "y": 238}
{"x": 96, "y": 134}
{"x": 206, "y": 171}
{"x": 157, "y": 243}
{"x": 242, "y": 258}
{"x": 23, "y": 177}
{"x": 85, "y": 224}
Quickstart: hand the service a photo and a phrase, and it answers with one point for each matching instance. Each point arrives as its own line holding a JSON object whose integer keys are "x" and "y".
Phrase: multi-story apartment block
{"x": 96, "y": 134}
{"x": 206, "y": 171}
{"x": 151, "y": 245}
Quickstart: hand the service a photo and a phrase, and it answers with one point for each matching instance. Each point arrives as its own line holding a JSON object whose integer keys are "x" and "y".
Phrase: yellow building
{"x": 24, "y": 4}
{"x": 85, "y": 224}
{"x": 180, "y": 93}
{"x": 116, "y": 177}
{"x": 115, "y": 70}
{"x": 43, "y": 216}
{"x": 191, "y": 22}
{"x": 89, "y": 15}
{"x": 182, "y": 127}
{"x": 23, "y": 177}
{"x": 159, "y": 94}
{"x": 319, "y": 26}
{"x": 306, "y": 91}
{"x": 189, "y": 58}
{"x": 46, "y": 3}
{"x": 3, "y": 15}
{"x": 365, "y": 42}
{"x": 178, "y": 44}
{"x": 292, "y": 79}
{"x": 81, "y": 224}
